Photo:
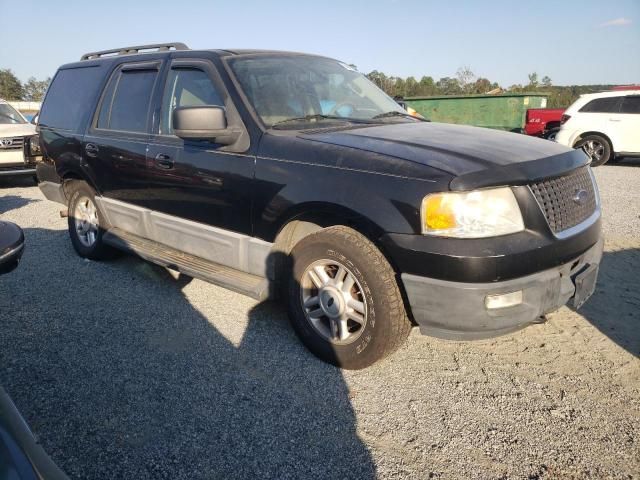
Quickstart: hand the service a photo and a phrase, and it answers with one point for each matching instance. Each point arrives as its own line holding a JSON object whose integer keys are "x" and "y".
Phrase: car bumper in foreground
{"x": 459, "y": 311}
{"x": 21, "y": 457}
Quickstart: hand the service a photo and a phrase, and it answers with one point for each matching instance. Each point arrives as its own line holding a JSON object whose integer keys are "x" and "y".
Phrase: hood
{"x": 16, "y": 129}
{"x": 476, "y": 157}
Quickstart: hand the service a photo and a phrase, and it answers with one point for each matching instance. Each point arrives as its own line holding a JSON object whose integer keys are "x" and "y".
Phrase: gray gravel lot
{"x": 125, "y": 371}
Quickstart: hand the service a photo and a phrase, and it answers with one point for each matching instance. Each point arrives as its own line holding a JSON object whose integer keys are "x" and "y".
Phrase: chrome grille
{"x": 566, "y": 201}
{"x": 11, "y": 143}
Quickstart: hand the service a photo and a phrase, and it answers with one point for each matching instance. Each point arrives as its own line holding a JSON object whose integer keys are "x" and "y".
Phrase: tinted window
{"x": 602, "y": 105}
{"x": 107, "y": 101}
{"x": 70, "y": 97}
{"x": 186, "y": 87}
{"x": 630, "y": 104}
{"x": 9, "y": 115}
{"x": 130, "y": 104}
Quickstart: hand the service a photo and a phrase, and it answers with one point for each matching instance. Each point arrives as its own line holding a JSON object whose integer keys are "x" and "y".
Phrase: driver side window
{"x": 186, "y": 87}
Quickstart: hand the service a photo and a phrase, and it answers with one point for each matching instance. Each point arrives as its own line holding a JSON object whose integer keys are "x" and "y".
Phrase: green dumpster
{"x": 502, "y": 112}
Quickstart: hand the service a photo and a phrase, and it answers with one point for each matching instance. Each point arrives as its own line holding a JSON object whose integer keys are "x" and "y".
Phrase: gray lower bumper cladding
{"x": 456, "y": 310}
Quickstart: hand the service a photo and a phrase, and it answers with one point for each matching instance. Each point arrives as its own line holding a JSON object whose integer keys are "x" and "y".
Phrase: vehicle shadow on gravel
{"x": 120, "y": 376}
{"x": 12, "y": 202}
{"x": 614, "y": 308}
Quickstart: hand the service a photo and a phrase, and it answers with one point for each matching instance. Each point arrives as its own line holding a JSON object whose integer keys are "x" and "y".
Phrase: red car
{"x": 543, "y": 122}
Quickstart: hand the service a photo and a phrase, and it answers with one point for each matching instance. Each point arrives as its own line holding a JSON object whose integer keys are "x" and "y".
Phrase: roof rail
{"x": 159, "y": 47}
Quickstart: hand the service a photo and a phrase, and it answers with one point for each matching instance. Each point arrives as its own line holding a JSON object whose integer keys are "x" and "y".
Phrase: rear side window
{"x": 70, "y": 97}
{"x": 602, "y": 105}
{"x": 631, "y": 104}
{"x": 125, "y": 103}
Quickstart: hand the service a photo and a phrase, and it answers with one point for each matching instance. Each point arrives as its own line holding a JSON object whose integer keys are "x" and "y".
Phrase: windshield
{"x": 286, "y": 87}
{"x": 9, "y": 115}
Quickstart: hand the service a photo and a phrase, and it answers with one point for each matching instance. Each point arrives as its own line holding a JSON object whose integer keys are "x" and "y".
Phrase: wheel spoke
{"x": 315, "y": 279}
{"x": 356, "y": 317}
{"x": 340, "y": 274}
{"x": 344, "y": 331}
{"x": 334, "y": 328}
{"x": 356, "y": 305}
{"x": 322, "y": 274}
{"x": 311, "y": 302}
{"x": 317, "y": 313}
{"x": 347, "y": 284}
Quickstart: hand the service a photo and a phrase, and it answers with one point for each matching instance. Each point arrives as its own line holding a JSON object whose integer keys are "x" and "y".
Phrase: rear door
{"x": 115, "y": 146}
{"x": 602, "y": 115}
{"x": 630, "y": 124}
{"x": 198, "y": 180}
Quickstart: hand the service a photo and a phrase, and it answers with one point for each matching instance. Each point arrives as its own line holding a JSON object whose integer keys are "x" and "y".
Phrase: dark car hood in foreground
{"x": 21, "y": 457}
{"x": 476, "y": 157}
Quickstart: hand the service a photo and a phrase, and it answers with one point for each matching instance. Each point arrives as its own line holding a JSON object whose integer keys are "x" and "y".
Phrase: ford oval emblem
{"x": 580, "y": 197}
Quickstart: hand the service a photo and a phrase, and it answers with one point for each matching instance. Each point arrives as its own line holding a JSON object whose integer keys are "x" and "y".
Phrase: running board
{"x": 197, "y": 267}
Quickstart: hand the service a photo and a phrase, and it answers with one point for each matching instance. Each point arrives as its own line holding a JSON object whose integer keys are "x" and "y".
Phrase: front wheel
{"x": 551, "y": 134}
{"x": 344, "y": 301}
{"x": 597, "y": 148}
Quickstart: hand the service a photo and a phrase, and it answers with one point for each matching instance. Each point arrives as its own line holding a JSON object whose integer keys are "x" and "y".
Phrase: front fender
{"x": 286, "y": 190}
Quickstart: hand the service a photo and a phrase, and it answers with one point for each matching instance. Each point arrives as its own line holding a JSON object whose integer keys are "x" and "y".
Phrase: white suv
{"x": 605, "y": 125}
{"x": 13, "y": 128}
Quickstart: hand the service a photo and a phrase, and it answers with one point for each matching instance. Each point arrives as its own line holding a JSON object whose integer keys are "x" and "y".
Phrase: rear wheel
{"x": 344, "y": 301}
{"x": 597, "y": 147}
{"x": 86, "y": 223}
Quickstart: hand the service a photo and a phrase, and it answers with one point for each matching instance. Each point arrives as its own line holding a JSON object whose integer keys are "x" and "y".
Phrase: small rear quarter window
{"x": 70, "y": 98}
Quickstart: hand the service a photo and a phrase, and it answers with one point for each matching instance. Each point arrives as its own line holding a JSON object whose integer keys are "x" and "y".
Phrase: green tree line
{"x": 465, "y": 82}
{"x": 11, "y": 88}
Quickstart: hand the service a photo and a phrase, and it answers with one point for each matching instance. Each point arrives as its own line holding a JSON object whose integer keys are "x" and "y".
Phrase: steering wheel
{"x": 340, "y": 105}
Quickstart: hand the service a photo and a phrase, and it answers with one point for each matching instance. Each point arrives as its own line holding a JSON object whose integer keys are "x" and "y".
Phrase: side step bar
{"x": 197, "y": 267}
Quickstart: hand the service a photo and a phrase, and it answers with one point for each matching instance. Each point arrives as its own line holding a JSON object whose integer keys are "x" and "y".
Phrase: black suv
{"x": 272, "y": 172}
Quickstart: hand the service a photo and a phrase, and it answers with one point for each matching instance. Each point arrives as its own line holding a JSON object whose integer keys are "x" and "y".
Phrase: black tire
{"x": 551, "y": 134}
{"x": 78, "y": 190}
{"x": 597, "y": 147}
{"x": 386, "y": 325}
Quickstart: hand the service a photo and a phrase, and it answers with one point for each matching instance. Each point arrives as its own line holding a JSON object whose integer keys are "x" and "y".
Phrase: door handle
{"x": 164, "y": 161}
{"x": 614, "y": 119}
{"x": 91, "y": 150}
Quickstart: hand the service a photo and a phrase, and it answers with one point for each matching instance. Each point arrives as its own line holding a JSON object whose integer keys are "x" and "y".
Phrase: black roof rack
{"x": 159, "y": 47}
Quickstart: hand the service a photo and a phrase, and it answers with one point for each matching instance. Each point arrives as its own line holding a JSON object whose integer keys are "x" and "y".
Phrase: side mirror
{"x": 206, "y": 122}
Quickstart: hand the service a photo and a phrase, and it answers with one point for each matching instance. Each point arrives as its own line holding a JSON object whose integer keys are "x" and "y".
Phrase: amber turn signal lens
{"x": 439, "y": 213}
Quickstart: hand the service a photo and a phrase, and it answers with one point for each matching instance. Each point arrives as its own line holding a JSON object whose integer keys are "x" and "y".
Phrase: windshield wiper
{"x": 396, "y": 113}
{"x": 309, "y": 118}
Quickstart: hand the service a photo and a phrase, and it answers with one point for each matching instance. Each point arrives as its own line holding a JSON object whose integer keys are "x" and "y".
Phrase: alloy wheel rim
{"x": 333, "y": 301}
{"x": 594, "y": 149}
{"x": 85, "y": 218}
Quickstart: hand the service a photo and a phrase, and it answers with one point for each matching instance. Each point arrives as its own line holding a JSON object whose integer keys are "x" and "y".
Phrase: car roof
{"x": 613, "y": 93}
{"x": 107, "y": 56}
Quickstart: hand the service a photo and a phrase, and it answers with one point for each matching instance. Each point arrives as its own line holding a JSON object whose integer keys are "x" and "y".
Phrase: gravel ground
{"x": 125, "y": 370}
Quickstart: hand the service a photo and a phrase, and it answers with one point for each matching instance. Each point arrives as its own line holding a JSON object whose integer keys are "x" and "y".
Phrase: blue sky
{"x": 573, "y": 42}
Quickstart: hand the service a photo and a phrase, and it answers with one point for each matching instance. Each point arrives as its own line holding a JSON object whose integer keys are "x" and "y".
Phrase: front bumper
{"x": 456, "y": 310}
{"x": 12, "y": 163}
{"x": 17, "y": 171}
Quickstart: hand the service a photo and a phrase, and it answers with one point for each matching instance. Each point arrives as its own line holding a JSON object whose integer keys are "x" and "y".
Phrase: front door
{"x": 197, "y": 180}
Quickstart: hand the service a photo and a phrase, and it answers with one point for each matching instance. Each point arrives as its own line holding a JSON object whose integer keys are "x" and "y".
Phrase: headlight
{"x": 476, "y": 214}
